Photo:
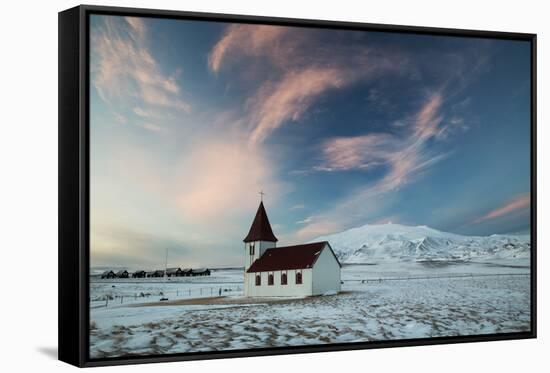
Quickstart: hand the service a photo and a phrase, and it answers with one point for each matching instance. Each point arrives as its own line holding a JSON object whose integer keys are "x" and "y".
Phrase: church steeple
{"x": 260, "y": 229}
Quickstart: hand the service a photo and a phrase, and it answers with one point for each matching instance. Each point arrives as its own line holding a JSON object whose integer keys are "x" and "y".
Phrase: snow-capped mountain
{"x": 396, "y": 242}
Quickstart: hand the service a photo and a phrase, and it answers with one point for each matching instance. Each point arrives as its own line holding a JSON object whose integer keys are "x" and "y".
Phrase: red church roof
{"x": 290, "y": 257}
{"x": 260, "y": 229}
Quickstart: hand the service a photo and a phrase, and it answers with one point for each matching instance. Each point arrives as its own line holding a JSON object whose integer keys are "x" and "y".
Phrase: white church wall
{"x": 326, "y": 273}
{"x": 246, "y": 284}
{"x": 291, "y": 289}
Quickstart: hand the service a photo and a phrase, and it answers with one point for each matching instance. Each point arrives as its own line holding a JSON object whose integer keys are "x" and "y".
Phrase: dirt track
{"x": 226, "y": 301}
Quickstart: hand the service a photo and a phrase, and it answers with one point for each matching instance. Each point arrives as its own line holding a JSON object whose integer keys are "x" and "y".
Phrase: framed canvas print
{"x": 236, "y": 186}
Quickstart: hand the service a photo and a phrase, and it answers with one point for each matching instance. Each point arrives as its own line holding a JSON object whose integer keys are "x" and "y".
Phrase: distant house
{"x": 108, "y": 274}
{"x": 200, "y": 272}
{"x": 157, "y": 273}
{"x": 173, "y": 272}
{"x": 186, "y": 272}
{"x": 139, "y": 274}
{"x": 299, "y": 270}
{"x": 122, "y": 274}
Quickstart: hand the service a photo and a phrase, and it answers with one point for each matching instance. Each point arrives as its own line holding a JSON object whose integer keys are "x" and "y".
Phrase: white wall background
{"x": 28, "y": 183}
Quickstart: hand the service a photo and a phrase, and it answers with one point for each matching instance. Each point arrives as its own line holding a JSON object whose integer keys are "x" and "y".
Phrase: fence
{"x": 470, "y": 275}
{"x": 164, "y": 295}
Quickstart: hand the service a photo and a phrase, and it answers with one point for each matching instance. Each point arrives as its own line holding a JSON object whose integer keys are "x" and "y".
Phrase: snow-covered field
{"x": 119, "y": 292}
{"x": 379, "y": 302}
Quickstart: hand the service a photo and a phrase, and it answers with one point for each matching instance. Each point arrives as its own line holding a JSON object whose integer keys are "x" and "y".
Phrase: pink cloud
{"x": 286, "y": 99}
{"x": 138, "y": 27}
{"x": 123, "y": 67}
{"x": 300, "y": 71}
{"x": 289, "y": 98}
{"x": 279, "y": 102}
{"x": 220, "y": 180}
{"x": 250, "y": 40}
{"x": 360, "y": 152}
{"x": 518, "y": 203}
{"x": 428, "y": 119}
{"x": 404, "y": 154}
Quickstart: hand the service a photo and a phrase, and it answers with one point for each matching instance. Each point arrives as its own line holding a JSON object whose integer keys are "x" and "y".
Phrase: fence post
{"x": 121, "y": 299}
{"x": 106, "y": 301}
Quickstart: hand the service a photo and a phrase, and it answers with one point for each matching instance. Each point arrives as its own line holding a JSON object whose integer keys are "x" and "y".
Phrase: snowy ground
{"x": 411, "y": 306}
{"x": 116, "y": 292}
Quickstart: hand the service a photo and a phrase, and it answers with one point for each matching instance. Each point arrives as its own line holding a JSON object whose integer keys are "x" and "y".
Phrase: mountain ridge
{"x": 396, "y": 242}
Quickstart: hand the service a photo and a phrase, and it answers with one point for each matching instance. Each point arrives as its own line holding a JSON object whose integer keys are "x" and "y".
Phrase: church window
{"x": 283, "y": 279}
{"x": 270, "y": 279}
{"x": 258, "y": 280}
{"x": 251, "y": 249}
{"x": 298, "y": 277}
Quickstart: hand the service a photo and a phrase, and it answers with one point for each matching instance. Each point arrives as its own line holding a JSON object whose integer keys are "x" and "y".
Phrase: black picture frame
{"x": 74, "y": 184}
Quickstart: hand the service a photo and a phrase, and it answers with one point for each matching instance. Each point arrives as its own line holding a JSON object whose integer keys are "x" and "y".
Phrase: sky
{"x": 190, "y": 120}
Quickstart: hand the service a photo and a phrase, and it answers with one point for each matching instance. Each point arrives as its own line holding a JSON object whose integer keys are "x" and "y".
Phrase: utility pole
{"x": 166, "y": 264}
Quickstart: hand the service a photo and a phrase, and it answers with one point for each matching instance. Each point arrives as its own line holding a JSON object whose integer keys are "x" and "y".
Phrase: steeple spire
{"x": 260, "y": 229}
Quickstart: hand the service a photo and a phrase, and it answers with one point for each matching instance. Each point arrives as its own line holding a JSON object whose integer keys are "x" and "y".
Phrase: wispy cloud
{"x": 286, "y": 99}
{"x": 359, "y": 152}
{"x": 307, "y": 220}
{"x": 289, "y": 98}
{"x": 247, "y": 40}
{"x": 301, "y": 71}
{"x": 123, "y": 66}
{"x": 151, "y": 127}
{"x": 519, "y": 203}
{"x": 139, "y": 30}
{"x": 403, "y": 157}
{"x": 141, "y": 113}
{"x": 428, "y": 118}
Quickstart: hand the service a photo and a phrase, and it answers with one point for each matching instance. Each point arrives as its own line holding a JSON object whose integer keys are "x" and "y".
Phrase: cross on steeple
{"x": 261, "y": 193}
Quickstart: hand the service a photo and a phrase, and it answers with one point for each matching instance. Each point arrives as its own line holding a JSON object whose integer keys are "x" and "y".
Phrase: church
{"x": 289, "y": 271}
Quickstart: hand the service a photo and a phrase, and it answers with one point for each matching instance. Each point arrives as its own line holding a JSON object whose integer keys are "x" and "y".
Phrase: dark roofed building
{"x": 122, "y": 274}
{"x": 186, "y": 272}
{"x": 108, "y": 274}
{"x": 157, "y": 273}
{"x": 173, "y": 272}
{"x": 200, "y": 272}
{"x": 139, "y": 274}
